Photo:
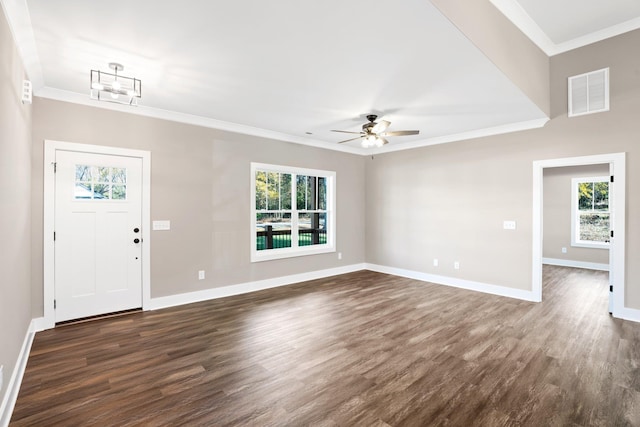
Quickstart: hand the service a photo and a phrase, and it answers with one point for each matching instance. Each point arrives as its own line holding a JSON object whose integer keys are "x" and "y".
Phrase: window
{"x": 293, "y": 212}
{"x": 100, "y": 183}
{"x": 590, "y": 208}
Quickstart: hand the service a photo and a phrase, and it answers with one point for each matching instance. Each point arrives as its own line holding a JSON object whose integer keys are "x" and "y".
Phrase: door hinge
{"x": 611, "y": 233}
{"x": 611, "y": 178}
{"x": 610, "y": 288}
{"x": 54, "y": 304}
{"x": 55, "y": 167}
{"x": 54, "y": 236}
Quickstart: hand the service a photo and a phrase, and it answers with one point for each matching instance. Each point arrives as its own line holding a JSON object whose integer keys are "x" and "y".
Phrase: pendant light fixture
{"x": 112, "y": 87}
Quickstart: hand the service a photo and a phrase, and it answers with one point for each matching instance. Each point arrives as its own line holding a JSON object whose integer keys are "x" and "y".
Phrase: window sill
{"x": 273, "y": 254}
{"x": 590, "y": 245}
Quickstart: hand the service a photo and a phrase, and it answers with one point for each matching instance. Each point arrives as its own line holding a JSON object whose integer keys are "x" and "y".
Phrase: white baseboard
{"x": 39, "y": 324}
{"x": 243, "y": 288}
{"x": 13, "y": 387}
{"x": 456, "y": 283}
{"x": 575, "y": 264}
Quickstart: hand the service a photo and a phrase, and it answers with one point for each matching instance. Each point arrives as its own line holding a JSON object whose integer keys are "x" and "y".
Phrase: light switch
{"x": 161, "y": 225}
{"x": 509, "y": 225}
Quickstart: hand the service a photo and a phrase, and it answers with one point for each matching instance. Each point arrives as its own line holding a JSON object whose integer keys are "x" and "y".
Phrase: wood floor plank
{"x": 361, "y": 349}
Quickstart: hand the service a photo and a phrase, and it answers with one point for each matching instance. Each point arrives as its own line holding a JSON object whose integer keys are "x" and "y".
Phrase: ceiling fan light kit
{"x": 373, "y": 141}
{"x": 373, "y": 133}
{"x": 112, "y": 87}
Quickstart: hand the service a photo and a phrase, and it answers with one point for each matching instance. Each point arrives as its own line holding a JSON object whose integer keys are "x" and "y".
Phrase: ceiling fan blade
{"x": 381, "y": 126}
{"x": 346, "y": 131}
{"x": 352, "y": 139}
{"x": 384, "y": 141}
{"x": 401, "y": 133}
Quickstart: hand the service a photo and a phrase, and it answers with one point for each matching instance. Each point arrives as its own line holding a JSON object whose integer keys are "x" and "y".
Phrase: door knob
{"x": 136, "y": 230}
{"x": 136, "y": 240}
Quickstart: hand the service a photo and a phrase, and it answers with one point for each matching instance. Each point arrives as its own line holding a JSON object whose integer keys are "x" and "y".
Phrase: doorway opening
{"x": 576, "y": 231}
{"x": 615, "y": 165}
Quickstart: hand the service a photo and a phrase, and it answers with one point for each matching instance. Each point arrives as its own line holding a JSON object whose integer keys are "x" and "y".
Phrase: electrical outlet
{"x": 201, "y": 275}
{"x": 435, "y": 262}
{"x": 564, "y": 250}
{"x": 339, "y": 255}
{"x": 456, "y": 265}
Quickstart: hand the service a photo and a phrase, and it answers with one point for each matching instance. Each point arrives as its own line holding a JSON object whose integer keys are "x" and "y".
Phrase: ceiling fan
{"x": 373, "y": 133}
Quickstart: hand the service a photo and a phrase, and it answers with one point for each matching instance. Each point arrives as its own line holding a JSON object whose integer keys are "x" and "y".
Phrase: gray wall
{"x": 200, "y": 180}
{"x": 15, "y": 205}
{"x": 557, "y": 214}
{"x": 449, "y": 201}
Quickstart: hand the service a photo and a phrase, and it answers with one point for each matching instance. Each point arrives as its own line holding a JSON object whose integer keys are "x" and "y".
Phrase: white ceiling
{"x": 558, "y": 26}
{"x": 282, "y": 68}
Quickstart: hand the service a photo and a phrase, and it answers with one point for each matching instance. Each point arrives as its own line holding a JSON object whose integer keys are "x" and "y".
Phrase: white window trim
{"x": 272, "y": 254}
{"x": 575, "y": 223}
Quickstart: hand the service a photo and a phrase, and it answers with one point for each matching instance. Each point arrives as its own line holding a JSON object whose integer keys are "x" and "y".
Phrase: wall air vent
{"x": 589, "y": 93}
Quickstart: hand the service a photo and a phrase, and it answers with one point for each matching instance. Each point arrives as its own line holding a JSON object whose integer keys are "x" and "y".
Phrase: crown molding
{"x": 616, "y": 30}
{"x": 521, "y": 19}
{"x": 141, "y": 110}
{"x": 76, "y": 98}
{"x": 473, "y": 134}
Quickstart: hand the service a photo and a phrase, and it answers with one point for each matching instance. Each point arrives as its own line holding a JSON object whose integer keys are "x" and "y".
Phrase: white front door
{"x": 98, "y": 237}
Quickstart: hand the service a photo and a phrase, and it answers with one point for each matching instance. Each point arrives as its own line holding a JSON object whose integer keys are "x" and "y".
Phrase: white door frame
{"x": 617, "y": 162}
{"x": 50, "y": 148}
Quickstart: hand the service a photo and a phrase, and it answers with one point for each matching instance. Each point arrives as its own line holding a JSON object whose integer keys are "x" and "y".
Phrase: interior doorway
{"x": 616, "y": 165}
{"x": 576, "y": 230}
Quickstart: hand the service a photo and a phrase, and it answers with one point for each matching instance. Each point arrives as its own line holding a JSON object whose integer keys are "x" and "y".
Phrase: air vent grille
{"x": 589, "y": 93}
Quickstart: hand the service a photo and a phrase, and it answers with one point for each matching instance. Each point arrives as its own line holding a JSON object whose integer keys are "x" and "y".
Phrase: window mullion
{"x": 294, "y": 211}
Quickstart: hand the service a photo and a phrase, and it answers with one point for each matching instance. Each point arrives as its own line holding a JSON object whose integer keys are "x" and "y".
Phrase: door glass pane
{"x": 82, "y": 191}
{"x": 83, "y": 173}
{"x": 100, "y": 183}
{"x": 118, "y": 192}
{"x": 119, "y": 175}
{"x": 103, "y": 174}
{"x": 101, "y": 191}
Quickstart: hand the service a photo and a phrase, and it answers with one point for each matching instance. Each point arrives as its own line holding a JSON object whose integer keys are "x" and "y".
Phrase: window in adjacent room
{"x": 591, "y": 217}
{"x": 293, "y": 212}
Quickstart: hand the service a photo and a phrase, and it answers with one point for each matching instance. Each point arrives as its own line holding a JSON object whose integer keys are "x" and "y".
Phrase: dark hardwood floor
{"x": 362, "y": 349}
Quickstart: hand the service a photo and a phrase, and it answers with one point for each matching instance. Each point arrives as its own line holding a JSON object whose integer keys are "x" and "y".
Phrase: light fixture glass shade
{"x": 114, "y": 87}
{"x": 372, "y": 141}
